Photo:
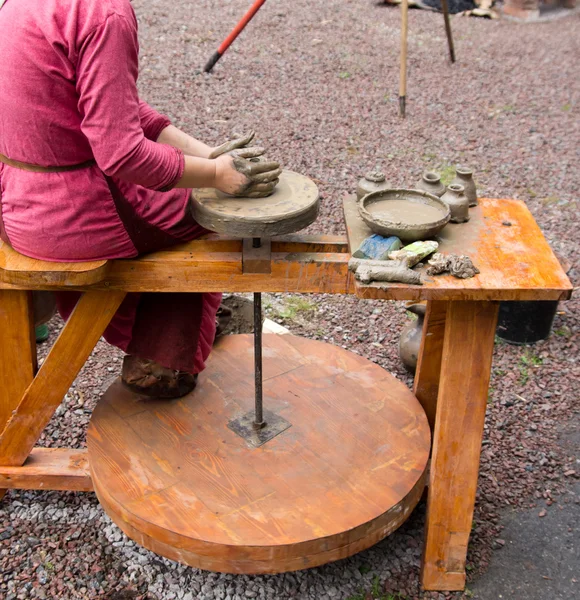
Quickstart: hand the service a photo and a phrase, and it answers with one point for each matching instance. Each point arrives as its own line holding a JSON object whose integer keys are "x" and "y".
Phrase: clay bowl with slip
{"x": 410, "y": 215}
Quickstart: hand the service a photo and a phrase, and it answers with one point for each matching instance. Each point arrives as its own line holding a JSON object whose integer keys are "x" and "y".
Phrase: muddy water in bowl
{"x": 410, "y": 215}
{"x": 405, "y": 211}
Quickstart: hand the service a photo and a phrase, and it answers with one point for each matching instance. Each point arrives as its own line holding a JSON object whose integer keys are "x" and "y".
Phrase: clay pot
{"x": 431, "y": 182}
{"x": 458, "y": 203}
{"x": 410, "y": 340}
{"x": 464, "y": 177}
{"x": 371, "y": 182}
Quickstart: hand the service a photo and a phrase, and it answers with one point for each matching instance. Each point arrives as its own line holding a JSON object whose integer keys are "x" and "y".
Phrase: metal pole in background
{"x": 403, "y": 75}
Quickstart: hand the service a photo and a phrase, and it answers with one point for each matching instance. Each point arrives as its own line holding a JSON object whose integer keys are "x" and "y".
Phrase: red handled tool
{"x": 233, "y": 35}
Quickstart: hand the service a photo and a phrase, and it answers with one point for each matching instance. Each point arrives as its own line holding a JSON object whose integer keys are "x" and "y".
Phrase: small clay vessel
{"x": 458, "y": 203}
{"x": 431, "y": 182}
{"x": 410, "y": 340}
{"x": 464, "y": 177}
{"x": 371, "y": 182}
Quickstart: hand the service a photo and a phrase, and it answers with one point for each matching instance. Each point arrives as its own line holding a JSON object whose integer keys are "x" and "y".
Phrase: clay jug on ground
{"x": 371, "y": 182}
{"x": 464, "y": 177}
{"x": 431, "y": 182}
{"x": 458, "y": 203}
{"x": 410, "y": 340}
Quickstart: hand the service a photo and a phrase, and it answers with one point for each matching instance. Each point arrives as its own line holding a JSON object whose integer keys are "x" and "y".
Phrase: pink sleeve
{"x": 107, "y": 68}
{"x": 152, "y": 122}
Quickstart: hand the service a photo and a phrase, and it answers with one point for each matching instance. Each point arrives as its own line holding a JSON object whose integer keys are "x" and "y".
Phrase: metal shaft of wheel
{"x": 259, "y": 422}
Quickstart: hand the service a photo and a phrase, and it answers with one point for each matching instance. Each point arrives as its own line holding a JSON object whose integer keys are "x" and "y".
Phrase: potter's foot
{"x": 149, "y": 378}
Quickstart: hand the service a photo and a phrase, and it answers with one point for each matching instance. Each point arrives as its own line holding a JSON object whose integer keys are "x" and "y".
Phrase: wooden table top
{"x": 502, "y": 239}
{"x": 505, "y": 244}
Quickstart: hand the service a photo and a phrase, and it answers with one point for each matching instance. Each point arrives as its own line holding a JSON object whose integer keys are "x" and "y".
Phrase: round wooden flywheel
{"x": 348, "y": 470}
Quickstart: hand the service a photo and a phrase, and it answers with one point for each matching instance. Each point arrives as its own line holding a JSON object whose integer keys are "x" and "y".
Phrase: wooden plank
{"x": 292, "y": 243}
{"x": 515, "y": 260}
{"x": 426, "y": 384}
{"x": 463, "y": 388}
{"x": 181, "y": 270}
{"x": 223, "y": 272}
{"x": 17, "y": 269}
{"x": 50, "y": 469}
{"x": 298, "y": 242}
{"x": 76, "y": 341}
{"x": 17, "y": 350}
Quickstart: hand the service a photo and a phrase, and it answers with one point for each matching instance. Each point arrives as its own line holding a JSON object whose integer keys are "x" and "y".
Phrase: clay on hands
{"x": 261, "y": 176}
{"x": 241, "y": 142}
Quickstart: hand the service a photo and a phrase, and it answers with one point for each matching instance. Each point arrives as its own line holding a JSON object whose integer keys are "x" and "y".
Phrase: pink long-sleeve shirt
{"x": 68, "y": 93}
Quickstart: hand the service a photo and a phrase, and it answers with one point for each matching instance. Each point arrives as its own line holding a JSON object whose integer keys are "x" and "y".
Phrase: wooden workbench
{"x": 453, "y": 372}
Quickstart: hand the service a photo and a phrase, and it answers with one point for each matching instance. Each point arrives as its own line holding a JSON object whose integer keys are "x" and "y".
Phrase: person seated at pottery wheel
{"x": 88, "y": 171}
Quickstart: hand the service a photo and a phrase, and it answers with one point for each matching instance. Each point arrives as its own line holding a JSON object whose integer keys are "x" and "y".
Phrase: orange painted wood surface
{"x": 17, "y": 269}
{"x": 50, "y": 469}
{"x": 426, "y": 384}
{"x": 515, "y": 260}
{"x": 345, "y": 474}
{"x": 461, "y": 404}
{"x": 76, "y": 341}
{"x": 516, "y": 263}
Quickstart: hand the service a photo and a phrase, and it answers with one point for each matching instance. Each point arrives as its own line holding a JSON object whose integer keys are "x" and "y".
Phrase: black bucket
{"x": 526, "y": 322}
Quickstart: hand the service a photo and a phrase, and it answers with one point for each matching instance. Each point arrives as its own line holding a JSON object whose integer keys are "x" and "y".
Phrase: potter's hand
{"x": 237, "y": 145}
{"x": 238, "y": 176}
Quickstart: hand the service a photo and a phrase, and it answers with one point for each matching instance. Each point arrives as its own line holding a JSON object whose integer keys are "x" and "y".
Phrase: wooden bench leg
{"x": 461, "y": 404}
{"x": 17, "y": 351}
{"x": 36, "y": 406}
{"x": 426, "y": 386}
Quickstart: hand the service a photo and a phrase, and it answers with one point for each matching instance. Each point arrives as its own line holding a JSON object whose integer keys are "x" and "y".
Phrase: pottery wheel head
{"x": 292, "y": 207}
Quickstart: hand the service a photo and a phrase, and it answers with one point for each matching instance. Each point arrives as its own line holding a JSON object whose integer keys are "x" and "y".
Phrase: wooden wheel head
{"x": 292, "y": 207}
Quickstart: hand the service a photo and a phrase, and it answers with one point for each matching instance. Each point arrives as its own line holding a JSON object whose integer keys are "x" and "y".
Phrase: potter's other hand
{"x": 226, "y": 147}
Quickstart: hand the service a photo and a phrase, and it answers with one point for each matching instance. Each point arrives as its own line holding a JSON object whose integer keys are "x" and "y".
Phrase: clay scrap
{"x": 398, "y": 267}
{"x": 459, "y": 266}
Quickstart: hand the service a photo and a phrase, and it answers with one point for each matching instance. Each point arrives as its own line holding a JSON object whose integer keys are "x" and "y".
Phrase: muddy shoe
{"x": 222, "y": 319}
{"x": 148, "y": 378}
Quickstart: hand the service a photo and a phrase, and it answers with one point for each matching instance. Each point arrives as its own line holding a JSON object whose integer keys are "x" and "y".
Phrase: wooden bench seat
{"x": 17, "y": 269}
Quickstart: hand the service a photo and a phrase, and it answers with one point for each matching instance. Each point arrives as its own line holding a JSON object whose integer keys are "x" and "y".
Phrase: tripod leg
{"x": 445, "y": 8}
{"x": 403, "y": 75}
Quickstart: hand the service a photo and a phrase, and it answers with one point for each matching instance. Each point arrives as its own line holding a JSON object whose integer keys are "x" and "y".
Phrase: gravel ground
{"x": 318, "y": 80}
